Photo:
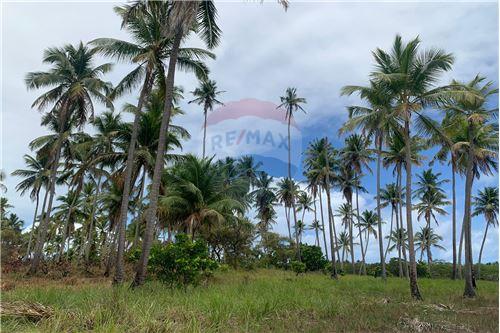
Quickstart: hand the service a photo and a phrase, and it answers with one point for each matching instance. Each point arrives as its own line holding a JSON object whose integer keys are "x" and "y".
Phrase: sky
{"x": 317, "y": 47}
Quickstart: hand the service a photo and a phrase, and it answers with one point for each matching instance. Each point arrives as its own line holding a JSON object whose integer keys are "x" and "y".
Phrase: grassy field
{"x": 257, "y": 301}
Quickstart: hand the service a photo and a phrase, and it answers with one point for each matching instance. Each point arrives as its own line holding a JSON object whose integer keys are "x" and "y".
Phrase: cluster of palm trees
{"x": 129, "y": 171}
{"x": 402, "y": 89}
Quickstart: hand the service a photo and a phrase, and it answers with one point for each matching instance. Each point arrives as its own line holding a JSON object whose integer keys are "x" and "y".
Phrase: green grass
{"x": 257, "y": 301}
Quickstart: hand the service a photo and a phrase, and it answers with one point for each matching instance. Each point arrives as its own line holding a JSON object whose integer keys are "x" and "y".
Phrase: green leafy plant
{"x": 298, "y": 267}
{"x": 182, "y": 263}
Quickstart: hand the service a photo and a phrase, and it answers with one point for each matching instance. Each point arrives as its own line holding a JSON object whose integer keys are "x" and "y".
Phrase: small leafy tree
{"x": 182, "y": 263}
{"x": 312, "y": 257}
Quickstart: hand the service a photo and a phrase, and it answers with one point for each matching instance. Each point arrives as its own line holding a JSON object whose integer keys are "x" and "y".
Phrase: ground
{"x": 254, "y": 301}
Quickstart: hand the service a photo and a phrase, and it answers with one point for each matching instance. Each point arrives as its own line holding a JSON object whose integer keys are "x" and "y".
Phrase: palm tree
{"x": 357, "y": 154}
{"x": 477, "y": 148}
{"x": 292, "y": 103}
{"x": 409, "y": 75}
{"x": 35, "y": 177}
{"x": 74, "y": 83}
{"x": 390, "y": 195}
{"x": 196, "y": 195}
{"x": 368, "y": 222}
{"x": 316, "y": 226}
{"x": 345, "y": 212}
{"x": 184, "y": 17}
{"x": 264, "y": 196}
{"x": 399, "y": 238}
{"x": 425, "y": 239}
{"x": 249, "y": 168}
{"x": 305, "y": 202}
{"x": 344, "y": 243}
{"x": 287, "y": 191}
{"x": 148, "y": 51}
{"x": 486, "y": 204}
{"x": 3, "y": 188}
{"x": 206, "y": 94}
{"x": 375, "y": 120}
{"x": 320, "y": 163}
{"x": 432, "y": 198}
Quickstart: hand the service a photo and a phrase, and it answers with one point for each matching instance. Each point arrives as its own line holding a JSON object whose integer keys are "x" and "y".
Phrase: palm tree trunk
{"x": 468, "y": 273}
{"x": 400, "y": 208}
{"x": 323, "y": 222}
{"x": 33, "y": 224}
{"x": 122, "y": 221}
{"x": 454, "y": 218}
{"x": 367, "y": 241}
{"x": 459, "y": 268}
{"x": 287, "y": 215}
{"x": 390, "y": 232}
{"x": 155, "y": 185}
{"x": 44, "y": 223}
{"x": 90, "y": 234}
{"x": 297, "y": 241}
{"x": 351, "y": 236}
{"x": 481, "y": 251}
{"x": 316, "y": 220}
{"x": 137, "y": 217}
{"x": 415, "y": 292}
{"x": 67, "y": 220}
{"x": 379, "y": 214}
{"x": 363, "y": 262}
{"x": 205, "y": 111}
{"x": 399, "y": 229}
{"x": 333, "y": 235}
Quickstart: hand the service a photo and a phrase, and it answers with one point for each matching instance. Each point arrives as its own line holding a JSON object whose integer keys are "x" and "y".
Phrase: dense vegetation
{"x": 129, "y": 207}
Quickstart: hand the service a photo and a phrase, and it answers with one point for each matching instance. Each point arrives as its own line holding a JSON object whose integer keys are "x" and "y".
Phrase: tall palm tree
{"x": 316, "y": 226}
{"x": 358, "y": 155}
{"x": 305, "y": 202}
{"x": 74, "y": 84}
{"x": 410, "y": 75}
{"x": 206, "y": 94}
{"x": 320, "y": 164}
{"x": 486, "y": 204}
{"x": 390, "y": 196}
{"x": 149, "y": 49}
{"x": 375, "y": 120}
{"x": 478, "y": 149}
{"x": 264, "y": 196}
{"x": 184, "y": 18}
{"x": 425, "y": 239}
{"x": 292, "y": 103}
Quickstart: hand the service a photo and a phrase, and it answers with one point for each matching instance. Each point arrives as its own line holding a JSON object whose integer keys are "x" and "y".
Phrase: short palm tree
{"x": 425, "y": 240}
{"x": 486, "y": 204}
{"x": 369, "y": 222}
{"x": 206, "y": 95}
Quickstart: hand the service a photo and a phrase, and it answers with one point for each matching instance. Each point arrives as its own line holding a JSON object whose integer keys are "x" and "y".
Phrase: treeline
{"x": 126, "y": 190}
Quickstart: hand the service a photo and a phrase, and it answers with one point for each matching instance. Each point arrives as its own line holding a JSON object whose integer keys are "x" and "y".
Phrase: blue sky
{"x": 317, "y": 47}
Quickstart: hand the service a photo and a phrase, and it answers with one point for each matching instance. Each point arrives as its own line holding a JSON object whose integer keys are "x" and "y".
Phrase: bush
{"x": 182, "y": 263}
{"x": 298, "y": 267}
{"x": 422, "y": 270}
{"x": 312, "y": 257}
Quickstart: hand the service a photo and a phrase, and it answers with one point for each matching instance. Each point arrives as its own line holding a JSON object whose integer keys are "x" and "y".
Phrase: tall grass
{"x": 258, "y": 301}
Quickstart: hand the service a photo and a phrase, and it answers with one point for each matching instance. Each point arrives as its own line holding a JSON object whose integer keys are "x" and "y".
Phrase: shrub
{"x": 182, "y": 263}
{"x": 298, "y": 267}
{"x": 422, "y": 270}
{"x": 312, "y": 257}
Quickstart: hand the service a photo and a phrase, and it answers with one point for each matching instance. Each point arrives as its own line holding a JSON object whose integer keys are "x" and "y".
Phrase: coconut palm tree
{"x": 376, "y": 120}
{"x": 316, "y": 226}
{"x": 390, "y": 196}
{"x": 206, "y": 94}
{"x": 486, "y": 204}
{"x": 432, "y": 198}
{"x": 399, "y": 239}
{"x": 369, "y": 222}
{"x": 74, "y": 84}
{"x": 305, "y": 203}
{"x": 287, "y": 191}
{"x": 291, "y": 103}
{"x": 184, "y": 17}
{"x": 478, "y": 151}
{"x": 357, "y": 154}
{"x": 3, "y": 188}
{"x": 35, "y": 177}
{"x": 320, "y": 164}
{"x": 345, "y": 212}
{"x": 196, "y": 194}
{"x": 410, "y": 75}
{"x": 264, "y": 197}
{"x": 425, "y": 239}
